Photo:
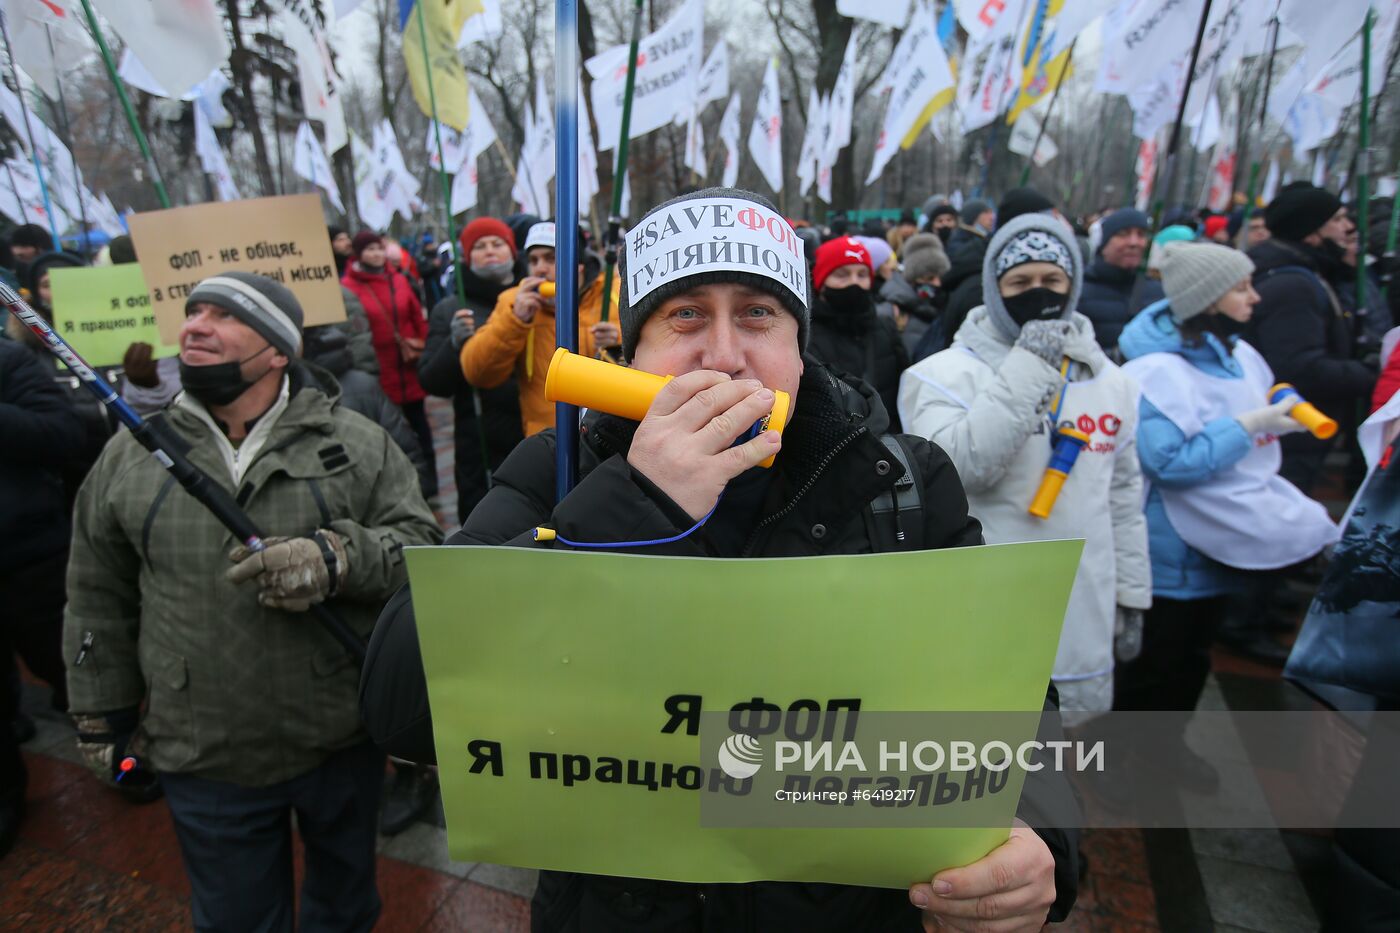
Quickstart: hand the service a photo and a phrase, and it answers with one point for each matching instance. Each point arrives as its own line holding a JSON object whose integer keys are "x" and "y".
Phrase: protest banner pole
{"x": 126, "y": 104}
{"x": 1064, "y": 73}
{"x": 198, "y": 484}
{"x": 1263, "y": 112}
{"x": 566, "y": 229}
{"x": 29, "y": 130}
{"x": 67, "y": 129}
{"x": 505, "y": 157}
{"x": 1169, "y": 176}
{"x": 458, "y": 281}
{"x": 620, "y": 174}
{"x": 1363, "y": 163}
{"x": 1390, "y": 239}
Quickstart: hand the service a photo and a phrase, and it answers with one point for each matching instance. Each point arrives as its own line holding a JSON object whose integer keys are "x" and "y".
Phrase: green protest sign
{"x": 102, "y": 310}
{"x": 565, "y": 687}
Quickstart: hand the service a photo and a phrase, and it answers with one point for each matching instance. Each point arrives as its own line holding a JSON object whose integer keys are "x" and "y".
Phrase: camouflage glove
{"x": 293, "y": 574}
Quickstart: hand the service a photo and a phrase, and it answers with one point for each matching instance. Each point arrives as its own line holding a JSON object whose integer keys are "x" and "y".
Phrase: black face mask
{"x": 1334, "y": 251}
{"x": 852, "y": 299}
{"x": 217, "y": 384}
{"x": 1036, "y": 304}
{"x": 1223, "y": 327}
{"x": 944, "y": 233}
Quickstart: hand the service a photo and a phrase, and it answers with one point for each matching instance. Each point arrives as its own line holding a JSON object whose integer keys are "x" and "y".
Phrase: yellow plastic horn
{"x": 1321, "y": 426}
{"x": 547, "y": 289}
{"x": 628, "y": 393}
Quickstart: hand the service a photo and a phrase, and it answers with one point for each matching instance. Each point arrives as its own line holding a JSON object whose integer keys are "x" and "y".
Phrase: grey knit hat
{"x": 1015, "y": 236}
{"x": 718, "y": 240}
{"x": 1196, "y": 275}
{"x": 972, "y": 210}
{"x": 924, "y": 257}
{"x": 268, "y": 307}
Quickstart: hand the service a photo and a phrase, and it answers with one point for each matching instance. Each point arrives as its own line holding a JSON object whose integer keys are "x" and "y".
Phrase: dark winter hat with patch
{"x": 268, "y": 307}
{"x": 711, "y": 237}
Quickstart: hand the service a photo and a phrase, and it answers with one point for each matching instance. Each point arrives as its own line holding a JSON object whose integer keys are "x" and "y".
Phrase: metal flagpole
{"x": 620, "y": 175}
{"x": 566, "y": 229}
{"x": 67, "y": 129}
{"x": 29, "y": 130}
{"x": 457, "y": 258}
{"x": 1169, "y": 181}
{"x": 151, "y": 165}
{"x": 1390, "y": 238}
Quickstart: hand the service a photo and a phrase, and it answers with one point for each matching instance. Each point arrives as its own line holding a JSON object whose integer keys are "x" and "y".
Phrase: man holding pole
{"x": 196, "y": 660}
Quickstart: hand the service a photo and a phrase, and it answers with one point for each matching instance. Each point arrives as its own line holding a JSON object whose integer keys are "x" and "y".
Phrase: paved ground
{"x": 87, "y": 860}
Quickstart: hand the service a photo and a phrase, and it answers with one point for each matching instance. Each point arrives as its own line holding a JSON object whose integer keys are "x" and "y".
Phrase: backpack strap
{"x": 896, "y": 516}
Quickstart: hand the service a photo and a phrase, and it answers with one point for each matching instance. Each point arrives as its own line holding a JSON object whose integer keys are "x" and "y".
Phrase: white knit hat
{"x": 1197, "y": 275}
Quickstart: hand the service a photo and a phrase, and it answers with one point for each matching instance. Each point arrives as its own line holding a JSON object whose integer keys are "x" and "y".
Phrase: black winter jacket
{"x": 832, "y": 466}
{"x": 361, "y": 393}
{"x": 40, "y": 434}
{"x": 1301, "y": 329}
{"x": 1112, "y": 296}
{"x": 865, "y": 345}
{"x": 440, "y": 373}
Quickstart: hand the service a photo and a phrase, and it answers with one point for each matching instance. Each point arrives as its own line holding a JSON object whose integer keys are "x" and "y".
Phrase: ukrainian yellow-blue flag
{"x": 430, "y": 29}
{"x": 1042, "y": 66}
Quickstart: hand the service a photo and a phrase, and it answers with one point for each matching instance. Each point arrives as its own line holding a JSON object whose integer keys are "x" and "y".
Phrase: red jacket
{"x": 393, "y": 311}
{"x": 1389, "y": 381}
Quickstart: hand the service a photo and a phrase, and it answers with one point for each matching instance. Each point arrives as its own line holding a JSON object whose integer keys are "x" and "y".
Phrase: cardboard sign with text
{"x": 282, "y": 238}
{"x": 103, "y": 310}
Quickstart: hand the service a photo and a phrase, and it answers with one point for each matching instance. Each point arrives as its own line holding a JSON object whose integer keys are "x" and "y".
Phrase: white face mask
{"x": 499, "y": 272}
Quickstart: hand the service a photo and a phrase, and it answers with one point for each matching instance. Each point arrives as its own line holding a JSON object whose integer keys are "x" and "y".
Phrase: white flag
{"x": 310, "y": 163}
{"x": 464, "y": 187}
{"x": 1205, "y": 133}
{"x": 809, "y": 159}
{"x": 842, "y": 102}
{"x": 1324, "y": 27}
{"x": 892, "y": 13}
{"x": 54, "y": 158}
{"x": 924, "y": 77}
{"x": 461, "y": 145}
{"x": 714, "y": 76}
{"x": 993, "y": 71}
{"x": 22, "y": 197}
{"x": 179, "y": 41}
{"x": 695, "y": 147}
{"x": 1155, "y": 102}
{"x": 980, "y": 17}
{"x": 1023, "y": 140}
{"x": 1151, "y": 34}
{"x": 482, "y": 27}
{"x": 1146, "y": 168}
{"x": 102, "y": 215}
{"x": 391, "y": 178}
{"x": 1270, "y": 183}
{"x": 1230, "y": 23}
{"x": 766, "y": 131}
{"x": 305, "y": 33}
{"x": 211, "y": 157}
{"x": 1319, "y": 175}
{"x": 827, "y": 161}
{"x": 668, "y": 70}
{"x": 1222, "y": 162}
{"x": 47, "y": 38}
{"x": 729, "y": 135}
{"x": 375, "y": 191}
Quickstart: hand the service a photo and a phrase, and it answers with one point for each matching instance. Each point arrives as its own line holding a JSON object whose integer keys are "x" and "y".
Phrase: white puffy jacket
{"x": 987, "y": 403}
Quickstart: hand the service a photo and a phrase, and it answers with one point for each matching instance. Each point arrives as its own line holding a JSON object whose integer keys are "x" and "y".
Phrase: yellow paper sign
{"x": 282, "y": 238}
{"x": 103, "y": 310}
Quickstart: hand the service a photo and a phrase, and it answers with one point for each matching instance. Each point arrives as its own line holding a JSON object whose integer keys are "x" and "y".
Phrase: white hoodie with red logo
{"x": 989, "y": 405}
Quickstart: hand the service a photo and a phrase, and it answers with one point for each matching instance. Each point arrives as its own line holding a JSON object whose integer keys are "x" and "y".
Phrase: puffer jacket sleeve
{"x": 395, "y": 516}
{"x": 981, "y": 431}
{"x": 1125, "y": 504}
{"x": 440, "y": 369}
{"x": 1169, "y": 458}
{"x": 104, "y": 596}
{"x": 488, "y": 357}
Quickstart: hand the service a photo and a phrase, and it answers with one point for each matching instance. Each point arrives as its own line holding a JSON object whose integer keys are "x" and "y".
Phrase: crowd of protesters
{"x": 985, "y": 333}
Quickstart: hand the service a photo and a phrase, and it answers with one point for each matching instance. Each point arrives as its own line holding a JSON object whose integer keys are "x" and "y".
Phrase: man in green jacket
{"x": 200, "y": 661}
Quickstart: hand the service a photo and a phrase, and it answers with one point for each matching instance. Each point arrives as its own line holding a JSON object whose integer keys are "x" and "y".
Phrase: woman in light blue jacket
{"x": 1216, "y": 506}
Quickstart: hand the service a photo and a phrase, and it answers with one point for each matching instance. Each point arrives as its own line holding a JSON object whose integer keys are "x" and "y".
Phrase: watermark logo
{"x": 740, "y": 756}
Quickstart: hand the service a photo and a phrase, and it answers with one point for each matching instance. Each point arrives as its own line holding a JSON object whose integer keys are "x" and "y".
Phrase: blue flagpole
{"x": 566, "y": 228}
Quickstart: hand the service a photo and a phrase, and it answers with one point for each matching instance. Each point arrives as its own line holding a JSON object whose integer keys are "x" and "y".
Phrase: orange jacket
{"x": 505, "y": 346}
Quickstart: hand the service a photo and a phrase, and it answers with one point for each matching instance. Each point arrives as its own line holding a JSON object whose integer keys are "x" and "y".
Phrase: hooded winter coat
{"x": 987, "y": 403}
{"x": 394, "y": 313}
{"x": 440, "y": 373}
{"x": 831, "y": 467}
{"x": 231, "y": 690}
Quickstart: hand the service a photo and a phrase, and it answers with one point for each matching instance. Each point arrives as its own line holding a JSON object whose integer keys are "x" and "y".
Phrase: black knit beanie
{"x": 1299, "y": 210}
{"x": 720, "y": 242}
